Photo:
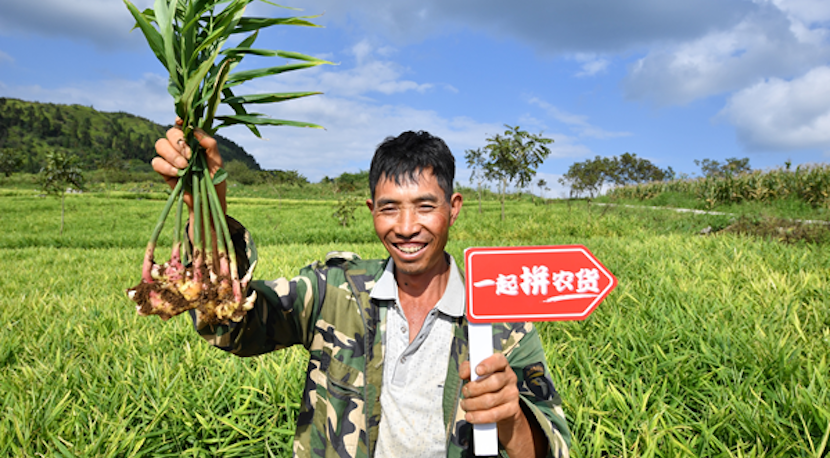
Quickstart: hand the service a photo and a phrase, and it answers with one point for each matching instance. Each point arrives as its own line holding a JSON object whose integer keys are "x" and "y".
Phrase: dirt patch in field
{"x": 783, "y": 230}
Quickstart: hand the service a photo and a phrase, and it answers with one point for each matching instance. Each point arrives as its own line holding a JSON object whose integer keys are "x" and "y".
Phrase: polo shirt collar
{"x": 452, "y": 303}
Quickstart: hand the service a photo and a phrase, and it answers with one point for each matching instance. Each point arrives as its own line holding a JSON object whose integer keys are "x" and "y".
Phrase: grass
{"x": 710, "y": 346}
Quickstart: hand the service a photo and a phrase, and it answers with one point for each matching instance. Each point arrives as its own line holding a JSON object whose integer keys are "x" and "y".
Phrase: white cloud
{"x": 354, "y": 128}
{"x": 104, "y": 22}
{"x": 146, "y": 97}
{"x": 591, "y": 64}
{"x": 808, "y": 11}
{"x": 764, "y": 44}
{"x": 550, "y": 27}
{"x": 577, "y": 123}
{"x": 780, "y": 115}
{"x": 567, "y": 146}
{"x": 354, "y": 123}
{"x": 6, "y": 58}
{"x": 369, "y": 75}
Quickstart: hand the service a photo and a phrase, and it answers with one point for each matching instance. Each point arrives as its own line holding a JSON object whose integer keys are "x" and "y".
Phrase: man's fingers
{"x": 163, "y": 168}
{"x": 493, "y": 415}
{"x": 493, "y": 383}
{"x": 464, "y": 370}
{"x": 495, "y": 363}
{"x": 172, "y": 148}
{"x": 492, "y": 406}
{"x": 211, "y": 148}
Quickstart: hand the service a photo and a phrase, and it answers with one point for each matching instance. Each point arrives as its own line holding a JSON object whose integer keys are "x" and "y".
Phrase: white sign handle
{"x": 485, "y": 437}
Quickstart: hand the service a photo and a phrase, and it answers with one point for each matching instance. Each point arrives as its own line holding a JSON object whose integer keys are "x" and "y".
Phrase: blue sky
{"x": 668, "y": 81}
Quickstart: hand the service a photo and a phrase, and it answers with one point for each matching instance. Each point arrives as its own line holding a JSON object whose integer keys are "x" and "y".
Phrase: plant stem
{"x": 177, "y": 237}
{"x": 222, "y": 227}
{"x": 198, "y": 246}
{"x": 176, "y": 252}
{"x": 151, "y": 245}
{"x": 209, "y": 250}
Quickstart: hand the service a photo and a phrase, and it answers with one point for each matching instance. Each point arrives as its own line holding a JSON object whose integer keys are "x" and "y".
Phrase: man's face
{"x": 413, "y": 221}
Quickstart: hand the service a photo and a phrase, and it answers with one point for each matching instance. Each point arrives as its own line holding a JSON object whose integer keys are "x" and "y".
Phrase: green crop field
{"x": 710, "y": 346}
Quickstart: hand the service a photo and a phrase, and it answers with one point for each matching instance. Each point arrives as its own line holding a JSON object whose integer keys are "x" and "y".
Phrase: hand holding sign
{"x": 544, "y": 283}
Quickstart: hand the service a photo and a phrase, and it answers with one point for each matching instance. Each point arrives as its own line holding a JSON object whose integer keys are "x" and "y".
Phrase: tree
{"x": 591, "y": 175}
{"x": 475, "y": 160}
{"x": 732, "y": 167}
{"x": 61, "y": 171}
{"x": 543, "y": 186}
{"x": 9, "y": 161}
{"x": 238, "y": 171}
{"x": 512, "y": 157}
{"x": 630, "y": 169}
{"x": 588, "y": 176}
{"x": 350, "y": 182}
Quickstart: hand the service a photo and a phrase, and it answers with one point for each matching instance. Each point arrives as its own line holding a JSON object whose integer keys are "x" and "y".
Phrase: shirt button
{"x": 403, "y": 329}
{"x": 403, "y": 359}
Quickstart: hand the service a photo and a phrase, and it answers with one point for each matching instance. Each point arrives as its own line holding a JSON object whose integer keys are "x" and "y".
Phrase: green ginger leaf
{"x": 150, "y": 33}
{"x": 268, "y": 98}
{"x": 261, "y": 120}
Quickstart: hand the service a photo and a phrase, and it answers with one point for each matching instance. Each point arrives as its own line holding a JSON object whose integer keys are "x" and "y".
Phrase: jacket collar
{"x": 452, "y": 302}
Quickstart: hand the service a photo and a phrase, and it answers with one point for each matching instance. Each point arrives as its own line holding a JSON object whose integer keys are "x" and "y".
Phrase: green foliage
{"x": 284, "y": 177}
{"x": 629, "y": 169}
{"x": 732, "y": 166}
{"x": 114, "y": 141}
{"x": 810, "y": 184}
{"x": 476, "y": 162}
{"x": 10, "y": 161}
{"x": 587, "y": 176}
{"x": 350, "y": 182}
{"x": 344, "y": 209}
{"x": 591, "y": 175}
{"x": 510, "y": 157}
{"x": 187, "y": 37}
{"x": 60, "y": 172}
{"x": 709, "y": 346}
{"x": 239, "y": 172}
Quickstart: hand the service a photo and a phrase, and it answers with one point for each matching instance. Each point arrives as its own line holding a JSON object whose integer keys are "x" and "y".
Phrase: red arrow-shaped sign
{"x": 540, "y": 283}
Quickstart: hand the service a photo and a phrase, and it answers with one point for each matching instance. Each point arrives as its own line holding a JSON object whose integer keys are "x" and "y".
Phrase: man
{"x": 388, "y": 338}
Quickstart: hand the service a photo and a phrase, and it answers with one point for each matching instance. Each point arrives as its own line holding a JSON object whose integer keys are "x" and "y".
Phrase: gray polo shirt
{"x": 412, "y": 419}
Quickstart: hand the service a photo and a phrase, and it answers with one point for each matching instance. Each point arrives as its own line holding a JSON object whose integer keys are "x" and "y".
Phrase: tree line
{"x": 31, "y": 130}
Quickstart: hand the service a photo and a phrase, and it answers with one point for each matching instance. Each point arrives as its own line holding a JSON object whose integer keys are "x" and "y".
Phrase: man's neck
{"x": 418, "y": 294}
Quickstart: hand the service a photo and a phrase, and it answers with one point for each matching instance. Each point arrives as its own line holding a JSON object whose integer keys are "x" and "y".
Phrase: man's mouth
{"x": 410, "y": 248}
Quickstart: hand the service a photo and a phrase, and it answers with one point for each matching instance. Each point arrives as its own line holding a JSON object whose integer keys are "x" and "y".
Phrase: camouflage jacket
{"x": 327, "y": 309}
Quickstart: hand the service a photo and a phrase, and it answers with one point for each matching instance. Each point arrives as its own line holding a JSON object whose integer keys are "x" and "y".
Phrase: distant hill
{"x": 29, "y": 129}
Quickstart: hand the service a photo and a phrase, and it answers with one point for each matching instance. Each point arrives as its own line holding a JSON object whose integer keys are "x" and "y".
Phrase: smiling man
{"x": 388, "y": 373}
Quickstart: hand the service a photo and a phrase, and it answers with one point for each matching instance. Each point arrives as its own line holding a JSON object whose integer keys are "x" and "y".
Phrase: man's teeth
{"x": 411, "y": 249}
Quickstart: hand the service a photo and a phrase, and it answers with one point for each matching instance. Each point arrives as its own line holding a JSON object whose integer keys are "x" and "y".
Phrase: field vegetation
{"x": 809, "y": 184}
{"x": 711, "y": 345}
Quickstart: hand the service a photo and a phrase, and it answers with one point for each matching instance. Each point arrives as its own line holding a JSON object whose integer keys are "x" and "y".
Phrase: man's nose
{"x": 408, "y": 224}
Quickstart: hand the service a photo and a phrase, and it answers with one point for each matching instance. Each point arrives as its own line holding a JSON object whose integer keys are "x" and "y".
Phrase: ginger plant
{"x": 187, "y": 37}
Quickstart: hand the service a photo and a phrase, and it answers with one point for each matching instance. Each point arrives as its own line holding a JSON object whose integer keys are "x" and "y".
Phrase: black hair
{"x": 404, "y": 157}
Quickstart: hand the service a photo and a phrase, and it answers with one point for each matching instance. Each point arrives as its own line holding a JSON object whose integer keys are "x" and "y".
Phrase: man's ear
{"x": 370, "y": 204}
{"x": 456, "y": 201}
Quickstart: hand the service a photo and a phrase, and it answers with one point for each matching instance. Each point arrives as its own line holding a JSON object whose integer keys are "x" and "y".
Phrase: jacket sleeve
{"x": 539, "y": 398}
{"x": 284, "y": 311}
